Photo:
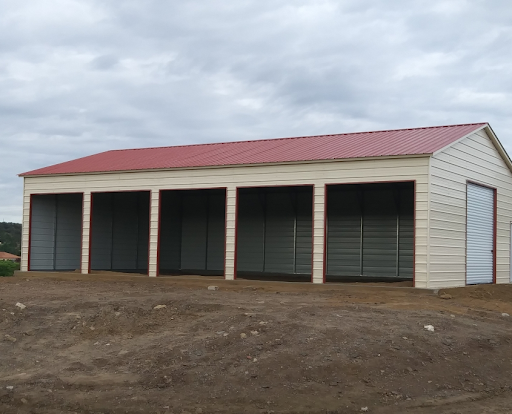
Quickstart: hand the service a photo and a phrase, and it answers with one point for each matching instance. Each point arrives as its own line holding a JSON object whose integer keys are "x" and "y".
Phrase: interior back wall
{"x": 120, "y": 231}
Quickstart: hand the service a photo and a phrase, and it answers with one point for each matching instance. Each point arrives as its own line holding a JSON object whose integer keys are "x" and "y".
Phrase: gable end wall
{"x": 475, "y": 159}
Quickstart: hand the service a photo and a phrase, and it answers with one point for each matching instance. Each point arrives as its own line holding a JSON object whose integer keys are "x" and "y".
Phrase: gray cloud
{"x": 104, "y": 62}
{"x": 82, "y": 77}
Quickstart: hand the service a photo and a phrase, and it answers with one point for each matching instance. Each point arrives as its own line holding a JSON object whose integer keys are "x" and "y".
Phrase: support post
{"x": 154, "y": 224}
{"x": 86, "y": 232}
{"x": 230, "y": 246}
{"x": 25, "y": 235}
{"x": 318, "y": 268}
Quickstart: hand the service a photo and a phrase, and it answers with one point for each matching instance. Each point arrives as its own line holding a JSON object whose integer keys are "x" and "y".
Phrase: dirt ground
{"x": 96, "y": 344}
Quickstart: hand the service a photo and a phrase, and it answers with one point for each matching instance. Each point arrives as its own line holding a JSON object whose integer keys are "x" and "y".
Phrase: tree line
{"x": 10, "y": 238}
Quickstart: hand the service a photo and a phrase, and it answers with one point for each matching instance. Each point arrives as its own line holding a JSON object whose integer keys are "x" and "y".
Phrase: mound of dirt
{"x": 485, "y": 292}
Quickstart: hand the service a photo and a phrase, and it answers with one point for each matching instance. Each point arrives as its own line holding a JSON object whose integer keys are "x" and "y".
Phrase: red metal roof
{"x": 313, "y": 148}
{"x": 8, "y": 256}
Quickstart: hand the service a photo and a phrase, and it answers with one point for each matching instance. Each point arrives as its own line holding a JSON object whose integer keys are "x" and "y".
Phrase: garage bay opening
{"x": 370, "y": 232}
{"x": 274, "y": 233}
{"x": 120, "y": 231}
{"x": 55, "y": 232}
{"x": 192, "y": 232}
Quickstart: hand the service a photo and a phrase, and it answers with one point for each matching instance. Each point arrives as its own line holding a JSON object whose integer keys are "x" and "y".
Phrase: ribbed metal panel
{"x": 280, "y": 234}
{"x": 56, "y": 226}
{"x": 480, "y": 234}
{"x": 303, "y": 247}
{"x": 216, "y": 231}
{"x": 274, "y": 230}
{"x": 192, "y": 230}
{"x": 344, "y": 232}
{"x": 251, "y": 231}
{"x": 323, "y": 147}
{"x": 125, "y": 231}
{"x": 120, "y": 231}
{"x": 143, "y": 230}
{"x": 68, "y": 234}
{"x": 42, "y": 228}
{"x": 370, "y": 230}
{"x": 379, "y": 233}
{"x": 170, "y": 231}
{"x": 101, "y": 231}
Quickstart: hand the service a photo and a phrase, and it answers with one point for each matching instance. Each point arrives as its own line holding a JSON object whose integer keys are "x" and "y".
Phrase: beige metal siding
{"x": 474, "y": 158}
{"x": 25, "y": 229}
{"x": 317, "y": 174}
{"x": 229, "y": 259}
{"x": 154, "y": 206}
{"x": 86, "y": 231}
{"x": 318, "y": 232}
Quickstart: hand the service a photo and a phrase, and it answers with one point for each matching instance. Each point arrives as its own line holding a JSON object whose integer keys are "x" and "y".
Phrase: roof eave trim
{"x": 25, "y": 175}
{"x": 499, "y": 146}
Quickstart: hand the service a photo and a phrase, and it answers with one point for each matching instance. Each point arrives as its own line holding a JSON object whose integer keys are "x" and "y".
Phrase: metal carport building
{"x": 432, "y": 205}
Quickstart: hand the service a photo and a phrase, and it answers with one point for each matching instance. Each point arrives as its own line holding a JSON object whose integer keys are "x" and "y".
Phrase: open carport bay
{"x": 370, "y": 232}
{"x": 274, "y": 233}
{"x": 56, "y": 232}
{"x": 192, "y": 232}
{"x": 120, "y": 231}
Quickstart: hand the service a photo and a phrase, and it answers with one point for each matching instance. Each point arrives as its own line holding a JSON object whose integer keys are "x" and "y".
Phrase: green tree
{"x": 10, "y": 238}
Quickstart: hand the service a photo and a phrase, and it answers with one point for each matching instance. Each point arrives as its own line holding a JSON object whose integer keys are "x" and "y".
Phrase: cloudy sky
{"x": 83, "y": 76}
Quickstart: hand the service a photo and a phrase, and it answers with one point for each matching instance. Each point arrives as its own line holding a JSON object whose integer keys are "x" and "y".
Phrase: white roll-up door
{"x": 480, "y": 234}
